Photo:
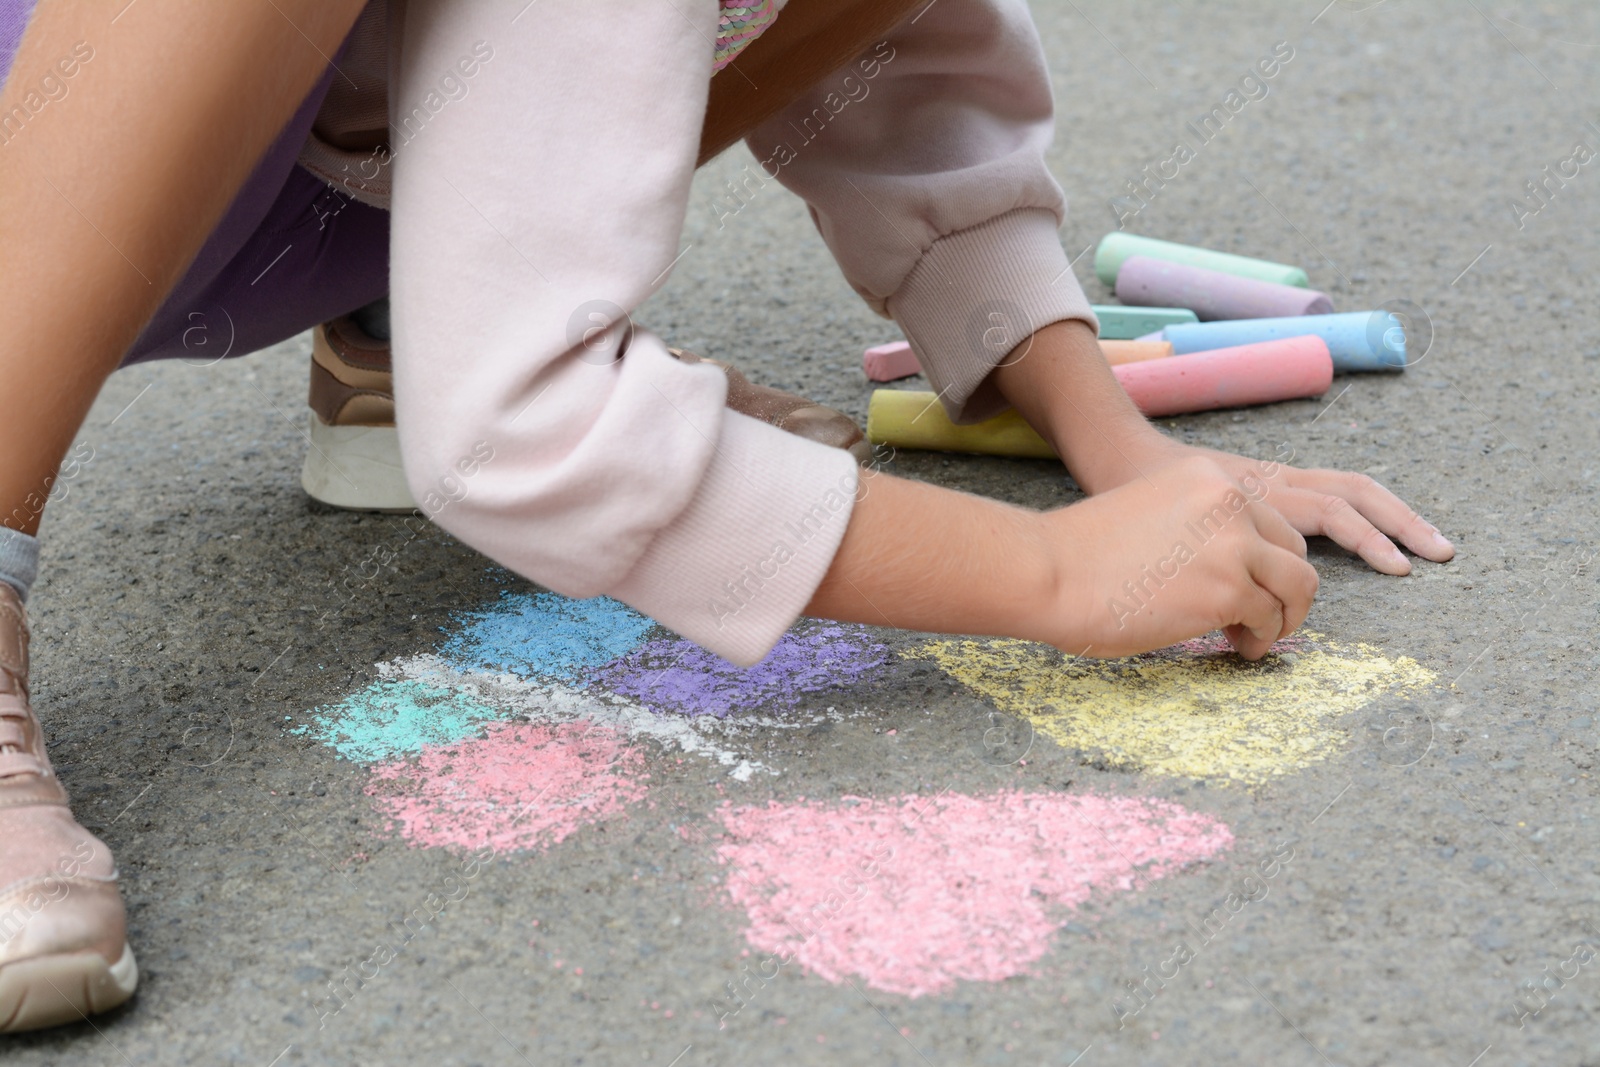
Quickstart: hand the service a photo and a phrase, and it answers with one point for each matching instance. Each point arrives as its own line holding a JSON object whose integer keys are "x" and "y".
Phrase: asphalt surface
{"x": 185, "y": 574}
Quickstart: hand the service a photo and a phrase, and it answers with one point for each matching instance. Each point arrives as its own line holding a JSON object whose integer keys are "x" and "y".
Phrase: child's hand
{"x": 1349, "y": 509}
{"x": 1187, "y": 550}
{"x": 1062, "y": 386}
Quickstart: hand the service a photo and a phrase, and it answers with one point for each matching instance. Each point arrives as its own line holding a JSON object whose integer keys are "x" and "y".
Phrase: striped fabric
{"x": 741, "y": 22}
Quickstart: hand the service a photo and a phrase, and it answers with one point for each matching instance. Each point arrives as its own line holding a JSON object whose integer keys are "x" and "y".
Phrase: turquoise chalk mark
{"x": 546, "y": 636}
{"x": 389, "y": 719}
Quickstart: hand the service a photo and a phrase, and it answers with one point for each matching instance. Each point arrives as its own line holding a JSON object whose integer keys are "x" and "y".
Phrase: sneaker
{"x": 354, "y": 458}
{"x": 64, "y": 951}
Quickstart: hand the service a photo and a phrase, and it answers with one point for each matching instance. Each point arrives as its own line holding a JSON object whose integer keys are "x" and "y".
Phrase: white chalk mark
{"x": 705, "y": 736}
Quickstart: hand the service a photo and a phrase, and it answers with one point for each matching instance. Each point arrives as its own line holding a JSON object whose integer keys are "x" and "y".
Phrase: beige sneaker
{"x": 354, "y": 458}
{"x": 64, "y": 951}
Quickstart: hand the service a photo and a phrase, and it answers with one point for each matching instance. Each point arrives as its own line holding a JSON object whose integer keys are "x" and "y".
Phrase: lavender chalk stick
{"x": 1212, "y": 294}
{"x": 1358, "y": 340}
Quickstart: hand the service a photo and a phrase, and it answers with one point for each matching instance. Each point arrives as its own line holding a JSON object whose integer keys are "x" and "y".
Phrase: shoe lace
{"x": 15, "y": 717}
{"x": 16, "y": 756}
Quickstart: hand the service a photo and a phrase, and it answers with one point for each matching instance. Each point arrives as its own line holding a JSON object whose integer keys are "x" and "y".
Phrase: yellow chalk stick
{"x": 1120, "y": 352}
{"x": 914, "y": 419}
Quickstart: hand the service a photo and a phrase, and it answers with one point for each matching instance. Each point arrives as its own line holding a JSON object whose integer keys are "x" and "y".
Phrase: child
{"x": 543, "y": 155}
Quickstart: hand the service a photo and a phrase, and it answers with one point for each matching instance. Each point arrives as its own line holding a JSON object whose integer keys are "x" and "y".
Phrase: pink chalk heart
{"x": 913, "y": 894}
{"x": 519, "y": 787}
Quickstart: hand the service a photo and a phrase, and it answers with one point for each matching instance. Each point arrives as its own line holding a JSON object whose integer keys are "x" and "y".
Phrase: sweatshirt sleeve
{"x": 543, "y": 155}
{"x": 923, "y": 166}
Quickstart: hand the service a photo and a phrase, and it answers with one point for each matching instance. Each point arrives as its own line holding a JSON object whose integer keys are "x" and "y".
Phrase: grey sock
{"x": 19, "y": 560}
{"x": 374, "y": 319}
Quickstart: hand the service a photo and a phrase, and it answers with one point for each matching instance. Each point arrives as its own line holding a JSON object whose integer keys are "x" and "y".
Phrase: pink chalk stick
{"x": 887, "y": 363}
{"x": 1147, "y": 282}
{"x": 1229, "y": 377}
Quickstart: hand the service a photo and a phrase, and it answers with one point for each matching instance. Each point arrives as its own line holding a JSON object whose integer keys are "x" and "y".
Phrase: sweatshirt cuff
{"x": 976, "y": 295}
{"x": 734, "y": 570}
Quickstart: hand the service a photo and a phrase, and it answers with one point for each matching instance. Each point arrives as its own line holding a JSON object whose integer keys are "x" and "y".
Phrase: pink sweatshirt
{"x": 543, "y": 196}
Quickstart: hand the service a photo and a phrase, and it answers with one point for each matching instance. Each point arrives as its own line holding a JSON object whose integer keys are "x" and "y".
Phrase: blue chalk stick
{"x": 1119, "y": 323}
{"x": 1357, "y": 340}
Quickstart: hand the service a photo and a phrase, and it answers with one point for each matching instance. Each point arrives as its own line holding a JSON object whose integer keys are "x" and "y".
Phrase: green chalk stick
{"x": 1118, "y": 323}
{"x": 1118, "y": 246}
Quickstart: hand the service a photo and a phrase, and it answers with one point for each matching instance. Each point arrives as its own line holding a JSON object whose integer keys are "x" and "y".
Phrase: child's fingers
{"x": 1382, "y": 508}
{"x": 1270, "y": 524}
{"x": 1271, "y": 600}
{"x": 1245, "y": 643}
{"x": 1288, "y": 582}
{"x": 1336, "y": 518}
{"x": 1261, "y": 621}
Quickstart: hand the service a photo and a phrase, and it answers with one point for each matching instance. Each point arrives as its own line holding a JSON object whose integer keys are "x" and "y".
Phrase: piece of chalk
{"x": 1119, "y": 323}
{"x": 913, "y": 419}
{"x": 1118, "y": 246}
{"x": 1235, "y": 377}
{"x": 887, "y": 363}
{"x": 1120, "y": 352}
{"x": 1213, "y": 294}
{"x": 1263, "y": 373}
{"x": 1358, "y": 340}
{"x": 891, "y": 362}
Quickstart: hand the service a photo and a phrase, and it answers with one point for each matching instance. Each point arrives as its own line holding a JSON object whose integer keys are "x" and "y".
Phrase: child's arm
{"x": 923, "y": 164}
{"x": 1179, "y": 554}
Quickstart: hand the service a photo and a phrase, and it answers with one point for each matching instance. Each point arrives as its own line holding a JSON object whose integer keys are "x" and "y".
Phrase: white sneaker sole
{"x": 356, "y": 468}
{"x": 65, "y": 988}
